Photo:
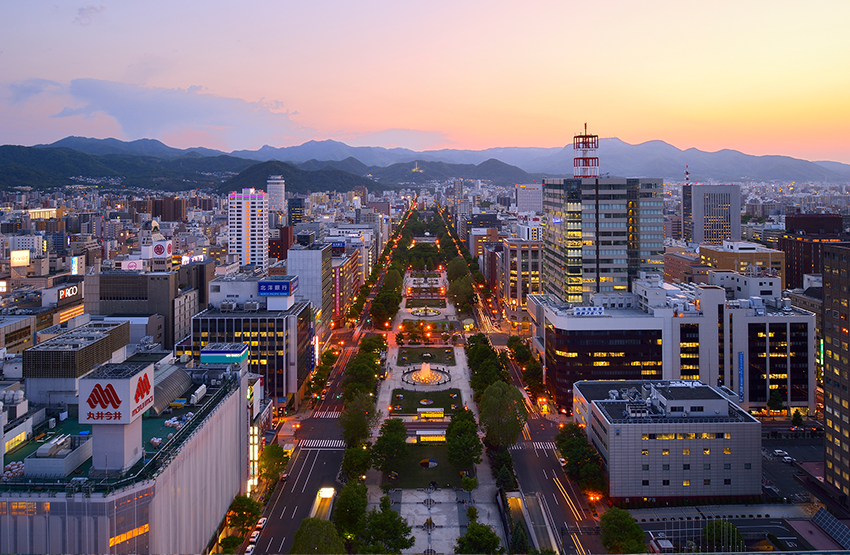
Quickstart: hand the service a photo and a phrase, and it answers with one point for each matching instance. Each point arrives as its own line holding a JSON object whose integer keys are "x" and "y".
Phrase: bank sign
{"x": 116, "y": 401}
{"x": 278, "y": 288}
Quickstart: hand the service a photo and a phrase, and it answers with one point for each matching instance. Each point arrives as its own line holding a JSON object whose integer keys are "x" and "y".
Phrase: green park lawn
{"x": 412, "y": 475}
{"x": 410, "y": 401}
{"x": 430, "y": 303}
{"x": 416, "y": 356}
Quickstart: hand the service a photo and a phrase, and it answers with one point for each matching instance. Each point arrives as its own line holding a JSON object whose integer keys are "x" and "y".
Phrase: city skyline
{"x": 759, "y": 78}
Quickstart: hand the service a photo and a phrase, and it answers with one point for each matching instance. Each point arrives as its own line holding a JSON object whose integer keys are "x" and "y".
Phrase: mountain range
{"x": 617, "y": 158}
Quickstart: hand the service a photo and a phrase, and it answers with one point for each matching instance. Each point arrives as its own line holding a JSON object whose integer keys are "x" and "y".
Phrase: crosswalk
{"x": 544, "y": 445}
{"x": 327, "y": 414}
{"x": 322, "y": 444}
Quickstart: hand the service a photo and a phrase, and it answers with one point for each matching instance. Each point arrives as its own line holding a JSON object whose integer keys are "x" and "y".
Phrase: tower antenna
{"x": 586, "y": 165}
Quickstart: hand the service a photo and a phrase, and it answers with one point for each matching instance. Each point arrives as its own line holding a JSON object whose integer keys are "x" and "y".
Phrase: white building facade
{"x": 248, "y": 227}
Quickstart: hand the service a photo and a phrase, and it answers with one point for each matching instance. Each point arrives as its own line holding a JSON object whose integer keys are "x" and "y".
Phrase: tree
{"x": 722, "y": 535}
{"x": 479, "y": 538}
{"x": 390, "y": 446}
{"x": 797, "y": 418}
{"x": 243, "y": 512}
{"x": 462, "y": 444}
{"x": 393, "y": 280}
{"x": 469, "y": 483}
{"x": 592, "y": 479}
{"x": 505, "y": 479}
{"x": 513, "y": 342}
{"x": 456, "y": 268}
{"x": 776, "y": 402}
{"x": 385, "y": 531}
{"x": 273, "y": 461}
{"x": 230, "y": 543}
{"x": 620, "y": 532}
{"x": 519, "y": 539}
{"x": 503, "y": 414}
{"x": 357, "y": 419}
{"x": 350, "y": 509}
{"x": 356, "y": 461}
{"x": 317, "y": 536}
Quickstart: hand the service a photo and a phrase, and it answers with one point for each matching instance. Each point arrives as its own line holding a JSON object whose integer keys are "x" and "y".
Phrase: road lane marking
{"x": 569, "y": 501}
{"x": 269, "y": 546}
{"x": 579, "y": 548}
{"x": 555, "y": 498}
{"x": 307, "y": 479}
{"x": 283, "y": 512}
{"x": 302, "y": 469}
{"x": 280, "y": 549}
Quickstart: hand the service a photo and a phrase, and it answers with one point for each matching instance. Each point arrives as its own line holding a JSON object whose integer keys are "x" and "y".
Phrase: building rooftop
{"x": 116, "y": 371}
{"x": 77, "y": 338}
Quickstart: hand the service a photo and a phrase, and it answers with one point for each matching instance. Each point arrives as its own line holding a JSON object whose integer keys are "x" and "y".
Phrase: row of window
{"x": 687, "y": 466}
{"x": 705, "y": 482}
{"x": 687, "y": 451}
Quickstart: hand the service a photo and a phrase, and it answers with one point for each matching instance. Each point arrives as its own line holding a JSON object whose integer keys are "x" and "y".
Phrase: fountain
{"x": 426, "y": 375}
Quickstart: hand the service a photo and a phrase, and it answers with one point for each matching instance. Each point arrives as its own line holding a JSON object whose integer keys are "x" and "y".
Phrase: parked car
{"x": 779, "y": 453}
{"x": 250, "y": 549}
{"x": 255, "y": 535}
{"x": 261, "y": 524}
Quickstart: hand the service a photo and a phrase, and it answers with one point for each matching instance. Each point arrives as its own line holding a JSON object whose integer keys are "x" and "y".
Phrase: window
{"x": 665, "y": 467}
{"x": 644, "y": 452}
{"x": 748, "y": 466}
{"x": 645, "y": 483}
{"x": 686, "y": 467}
{"x": 665, "y": 451}
{"x": 727, "y": 466}
{"x": 665, "y": 482}
{"x": 727, "y": 450}
{"x": 727, "y": 481}
{"x": 706, "y": 482}
{"x": 706, "y": 451}
{"x": 686, "y": 482}
{"x": 686, "y": 451}
{"x": 697, "y": 408}
{"x": 706, "y": 467}
{"x": 677, "y": 409}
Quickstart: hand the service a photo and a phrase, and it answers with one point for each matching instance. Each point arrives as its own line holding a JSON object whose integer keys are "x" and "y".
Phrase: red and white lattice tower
{"x": 586, "y": 165}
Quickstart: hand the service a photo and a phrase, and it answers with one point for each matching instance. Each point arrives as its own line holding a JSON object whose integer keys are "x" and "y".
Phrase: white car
{"x": 255, "y": 535}
{"x": 261, "y": 523}
{"x": 250, "y": 549}
{"x": 779, "y": 453}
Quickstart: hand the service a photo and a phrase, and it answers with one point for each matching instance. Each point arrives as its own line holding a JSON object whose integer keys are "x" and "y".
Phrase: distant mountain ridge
{"x": 617, "y": 158}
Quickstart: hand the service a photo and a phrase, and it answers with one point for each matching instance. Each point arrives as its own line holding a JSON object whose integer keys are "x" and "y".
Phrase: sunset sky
{"x": 759, "y": 77}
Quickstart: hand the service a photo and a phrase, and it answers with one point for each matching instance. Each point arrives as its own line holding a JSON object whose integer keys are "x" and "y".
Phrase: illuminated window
{"x": 686, "y": 482}
{"x": 686, "y": 451}
{"x": 644, "y": 452}
{"x": 665, "y": 451}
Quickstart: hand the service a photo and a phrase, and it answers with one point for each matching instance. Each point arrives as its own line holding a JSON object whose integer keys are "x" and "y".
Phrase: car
{"x": 563, "y": 461}
{"x": 789, "y": 460}
{"x": 261, "y": 523}
{"x": 255, "y": 535}
{"x": 284, "y": 477}
{"x": 779, "y": 453}
{"x": 250, "y": 549}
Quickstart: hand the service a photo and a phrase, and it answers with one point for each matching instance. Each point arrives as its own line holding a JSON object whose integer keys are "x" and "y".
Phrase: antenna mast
{"x": 586, "y": 165}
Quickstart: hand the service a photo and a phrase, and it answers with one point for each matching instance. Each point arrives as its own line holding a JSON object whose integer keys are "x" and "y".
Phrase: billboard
{"x": 78, "y": 265}
{"x": 116, "y": 401}
{"x": 21, "y": 258}
{"x": 162, "y": 249}
{"x": 278, "y": 288}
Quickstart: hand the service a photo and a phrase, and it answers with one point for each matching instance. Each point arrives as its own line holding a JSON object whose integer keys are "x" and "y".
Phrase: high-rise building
{"x": 529, "y": 197}
{"x": 521, "y": 268}
{"x": 314, "y": 268}
{"x": 296, "y": 211}
{"x": 743, "y": 257}
{"x": 836, "y": 370}
{"x": 248, "y": 227}
{"x": 276, "y": 188}
{"x": 711, "y": 213}
{"x": 600, "y": 234}
{"x": 804, "y": 237}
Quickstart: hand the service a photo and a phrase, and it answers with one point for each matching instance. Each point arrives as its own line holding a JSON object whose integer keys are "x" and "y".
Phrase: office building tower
{"x": 296, "y": 211}
{"x": 248, "y": 227}
{"x": 600, "y": 234}
{"x": 836, "y": 269}
{"x": 521, "y": 268}
{"x": 276, "y": 188}
{"x": 711, "y": 213}
{"x": 803, "y": 241}
{"x": 529, "y": 197}
{"x": 743, "y": 257}
{"x": 313, "y": 265}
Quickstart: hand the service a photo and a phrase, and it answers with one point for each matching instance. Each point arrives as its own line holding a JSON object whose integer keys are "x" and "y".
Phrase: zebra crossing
{"x": 543, "y": 445}
{"x": 327, "y": 414}
{"x": 322, "y": 444}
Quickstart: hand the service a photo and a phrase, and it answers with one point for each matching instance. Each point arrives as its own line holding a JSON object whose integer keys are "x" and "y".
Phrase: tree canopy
{"x": 462, "y": 443}
{"x": 503, "y": 414}
{"x": 317, "y": 536}
{"x": 479, "y": 538}
{"x": 243, "y": 512}
{"x": 350, "y": 509}
{"x": 620, "y": 532}
{"x": 385, "y": 531}
{"x": 357, "y": 419}
{"x": 391, "y": 445}
{"x": 273, "y": 461}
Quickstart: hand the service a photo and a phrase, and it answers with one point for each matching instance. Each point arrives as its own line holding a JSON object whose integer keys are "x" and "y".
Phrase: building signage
{"x": 20, "y": 258}
{"x": 588, "y": 311}
{"x": 68, "y": 292}
{"x": 338, "y": 244}
{"x": 116, "y": 401}
{"x": 278, "y": 287}
{"x": 741, "y": 375}
{"x": 77, "y": 265}
{"x": 162, "y": 249}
